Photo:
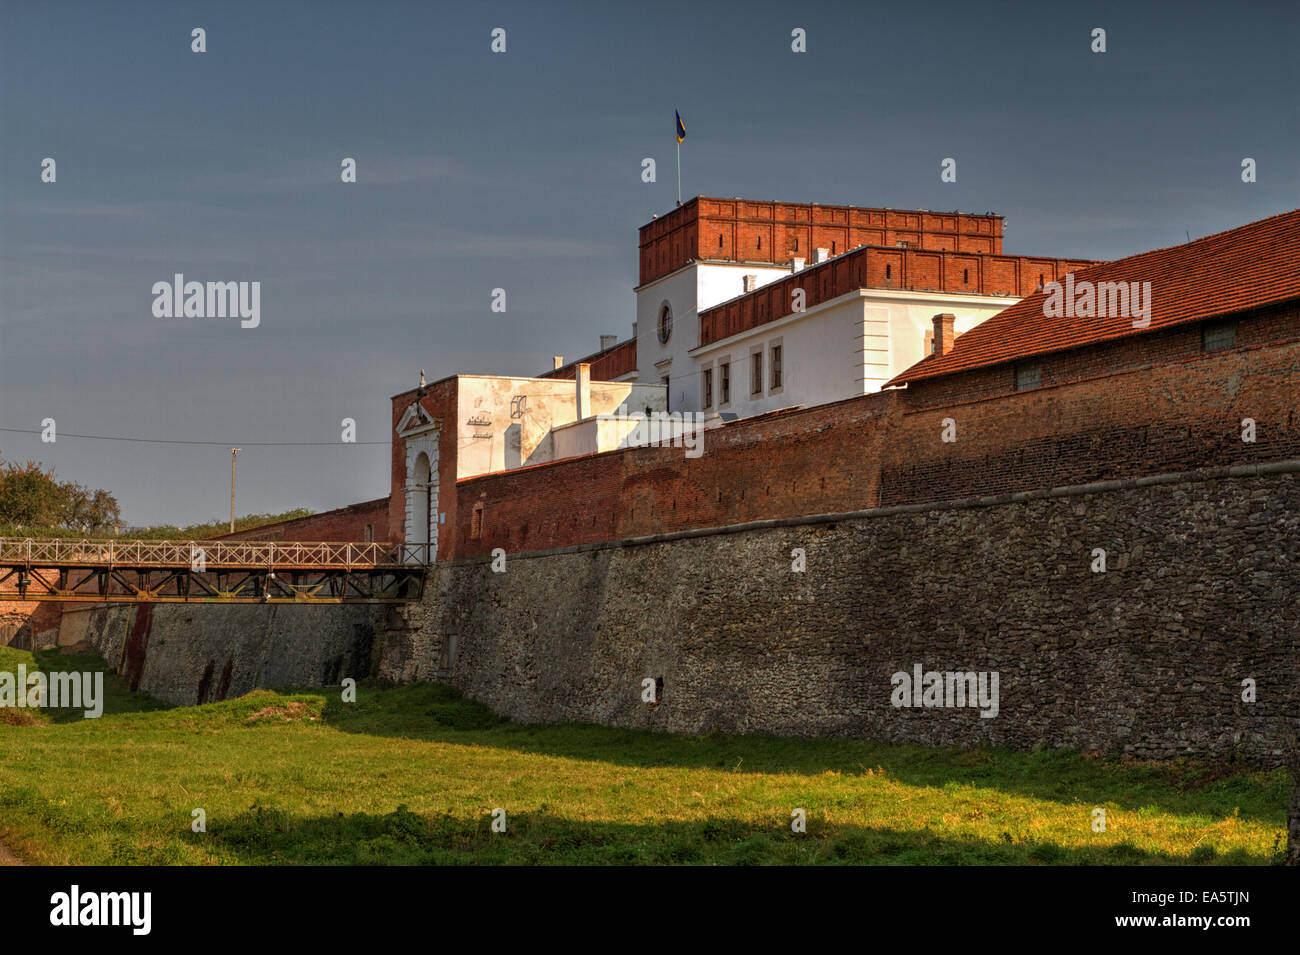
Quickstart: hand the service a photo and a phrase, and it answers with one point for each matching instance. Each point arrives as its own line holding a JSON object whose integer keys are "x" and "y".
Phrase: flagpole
{"x": 679, "y": 173}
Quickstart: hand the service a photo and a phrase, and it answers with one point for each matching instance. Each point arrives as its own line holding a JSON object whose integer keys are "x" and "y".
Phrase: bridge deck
{"x": 132, "y": 571}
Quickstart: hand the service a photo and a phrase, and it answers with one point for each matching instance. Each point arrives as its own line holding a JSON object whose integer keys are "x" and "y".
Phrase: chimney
{"x": 821, "y": 255}
{"x": 583, "y": 379}
{"x": 748, "y": 283}
{"x": 559, "y": 360}
{"x": 943, "y": 333}
{"x": 796, "y": 264}
{"x": 608, "y": 341}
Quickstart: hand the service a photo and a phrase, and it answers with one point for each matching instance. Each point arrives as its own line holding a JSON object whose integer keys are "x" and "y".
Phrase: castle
{"x": 1097, "y": 515}
{"x": 819, "y": 344}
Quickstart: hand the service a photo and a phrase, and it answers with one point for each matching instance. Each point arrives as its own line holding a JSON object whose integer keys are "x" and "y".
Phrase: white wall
{"x": 633, "y": 429}
{"x": 592, "y": 434}
{"x": 848, "y": 346}
{"x": 911, "y": 315}
{"x": 495, "y": 432}
{"x": 687, "y": 290}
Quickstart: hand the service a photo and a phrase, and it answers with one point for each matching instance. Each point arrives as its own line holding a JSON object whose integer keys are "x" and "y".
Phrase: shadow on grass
{"x": 435, "y": 712}
{"x": 270, "y": 837}
{"x": 438, "y": 713}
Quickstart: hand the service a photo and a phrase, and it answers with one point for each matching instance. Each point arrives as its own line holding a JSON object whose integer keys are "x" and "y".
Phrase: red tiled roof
{"x": 1243, "y": 268}
{"x": 606, "y": 365}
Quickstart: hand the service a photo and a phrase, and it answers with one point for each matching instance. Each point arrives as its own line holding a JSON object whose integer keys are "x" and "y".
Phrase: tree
{"x": 103, "y": 511}
{"x": 76, "y": 504}
{"x": 29, "y": 495}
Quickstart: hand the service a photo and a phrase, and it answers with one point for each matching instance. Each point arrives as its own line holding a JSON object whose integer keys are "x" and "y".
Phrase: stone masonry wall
{"x": 201, "y": 653}
{"x": 1201, "y": 591}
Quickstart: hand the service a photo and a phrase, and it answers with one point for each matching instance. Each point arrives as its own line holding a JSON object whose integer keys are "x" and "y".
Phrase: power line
{"x": 281, "y": 444}
{"x": 227, "y": 444}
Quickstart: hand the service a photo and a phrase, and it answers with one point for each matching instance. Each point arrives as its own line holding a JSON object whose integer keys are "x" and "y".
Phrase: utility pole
{"x": 234, "y": 453}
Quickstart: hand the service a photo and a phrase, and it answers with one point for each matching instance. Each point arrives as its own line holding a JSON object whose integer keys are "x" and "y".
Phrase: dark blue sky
{"x": 522, "y": 171}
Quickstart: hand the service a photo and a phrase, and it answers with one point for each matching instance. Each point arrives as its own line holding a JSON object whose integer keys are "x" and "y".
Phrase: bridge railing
{"x": 172, "y": 553}
{"x": 414, "y": 553}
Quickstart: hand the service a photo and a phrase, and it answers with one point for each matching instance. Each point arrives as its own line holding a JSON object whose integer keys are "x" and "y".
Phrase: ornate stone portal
{"x": 419, "y": 433}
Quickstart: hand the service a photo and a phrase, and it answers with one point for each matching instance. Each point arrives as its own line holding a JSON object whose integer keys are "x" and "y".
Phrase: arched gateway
{"x": 419, "y": 434}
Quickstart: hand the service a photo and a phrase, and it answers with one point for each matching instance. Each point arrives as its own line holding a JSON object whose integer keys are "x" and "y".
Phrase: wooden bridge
{"x": 168, "y": 571}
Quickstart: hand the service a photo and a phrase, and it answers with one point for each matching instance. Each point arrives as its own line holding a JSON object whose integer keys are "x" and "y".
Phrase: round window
{"x": 665, "y": 323}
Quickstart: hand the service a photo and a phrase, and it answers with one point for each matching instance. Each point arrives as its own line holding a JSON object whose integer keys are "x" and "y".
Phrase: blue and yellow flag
{"x": 681, "y": 127}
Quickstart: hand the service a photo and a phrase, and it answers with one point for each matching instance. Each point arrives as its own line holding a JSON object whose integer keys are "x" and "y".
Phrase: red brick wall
{"x": 1173, "y": 408}
{"x": 605, "y": 366}
{"x": 655, "y": 490}
{"x": 880, "y": 449}
{"x": 744, "y": 231}
{"x": 440, "y": 401}
{"x": 1261, "y": 327}
{"x": 1015, "y": 275}
{"x": 345, "y": 524}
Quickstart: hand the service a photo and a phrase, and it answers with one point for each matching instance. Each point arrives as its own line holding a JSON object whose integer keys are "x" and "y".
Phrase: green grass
{"x": 411, "y": 775}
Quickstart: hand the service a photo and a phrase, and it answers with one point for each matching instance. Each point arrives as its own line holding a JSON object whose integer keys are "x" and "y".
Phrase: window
{"x": 665, "y": 323}
{"x": 719, "y": 240}
{"x": 1218, "y": 336}
{"x": 1029, "y": 374}
{"x": 476, "y": 522}
{"x": 724, "y": 382}
{"x": 777, "y": 368}
{"x": 759, "y": 240}
{"x": 889, "y": 271}
{"x": 796, "y": 243}
{"x": 756, "y": 374}
{"x": 667, "y": 391}
{"x": 370, "y": 533}
{"x": 707, "y": 398}
{"x": 965, "y": 276}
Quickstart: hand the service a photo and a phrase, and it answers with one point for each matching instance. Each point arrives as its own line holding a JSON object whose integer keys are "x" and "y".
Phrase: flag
{"x": 681, "y": 127}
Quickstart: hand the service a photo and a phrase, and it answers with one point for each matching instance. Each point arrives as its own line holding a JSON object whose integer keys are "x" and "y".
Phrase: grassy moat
{"x": 412, "y": 776}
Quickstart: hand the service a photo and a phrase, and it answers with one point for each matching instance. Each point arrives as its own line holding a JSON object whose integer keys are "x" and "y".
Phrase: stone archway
{"x": 419, "y": 434}
{"x": 418, "y": 524}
